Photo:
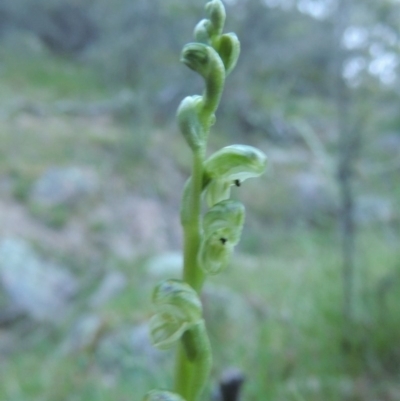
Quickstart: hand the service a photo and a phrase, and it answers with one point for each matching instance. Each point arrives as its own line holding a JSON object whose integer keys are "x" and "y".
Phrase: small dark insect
{"x": 237, "y": 183}
{"x": 223, "y": 240}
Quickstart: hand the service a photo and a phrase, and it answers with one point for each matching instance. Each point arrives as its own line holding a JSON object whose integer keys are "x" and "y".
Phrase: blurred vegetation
{"x": 95, "y": 84}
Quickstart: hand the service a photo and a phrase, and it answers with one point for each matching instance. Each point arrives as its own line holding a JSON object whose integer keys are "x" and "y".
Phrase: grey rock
{"x": 41, "y": 289}
{"x": 148, "y": 223}
{"x": 167, "y": 264}
{"x": 64, "y": 186}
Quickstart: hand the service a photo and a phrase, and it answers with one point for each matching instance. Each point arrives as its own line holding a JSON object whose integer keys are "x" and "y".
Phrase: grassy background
{"x": 287, "y": 331}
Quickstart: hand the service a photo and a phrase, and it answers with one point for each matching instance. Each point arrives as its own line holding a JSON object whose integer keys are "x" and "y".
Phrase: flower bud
{"x": 228, "y": 49}
{"x": 188, "y": 121}
{"x": 197, "y": 57}
{"x": 216, "y": 12}
{"x": 202, "y": 31}
{"x": 205, "y": 60}
{"x": 159, "y": 395}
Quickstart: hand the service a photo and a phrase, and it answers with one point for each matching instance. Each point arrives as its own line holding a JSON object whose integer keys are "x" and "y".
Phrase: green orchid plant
{"x": 209, "y": 239}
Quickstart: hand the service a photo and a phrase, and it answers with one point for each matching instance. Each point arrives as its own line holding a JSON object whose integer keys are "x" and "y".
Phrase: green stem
{"x": 202, "y": 363}
{"x": 192, "y": 274}
{"x": 183, "y": 373}
{"x": 195, "y": 365}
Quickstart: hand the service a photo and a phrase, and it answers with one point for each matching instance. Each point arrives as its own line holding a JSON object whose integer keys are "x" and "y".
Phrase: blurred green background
{"x": 91, "y": 171}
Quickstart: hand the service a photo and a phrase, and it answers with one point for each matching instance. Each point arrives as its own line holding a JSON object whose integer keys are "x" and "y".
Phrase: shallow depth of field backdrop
{"x": 91, "y": 170}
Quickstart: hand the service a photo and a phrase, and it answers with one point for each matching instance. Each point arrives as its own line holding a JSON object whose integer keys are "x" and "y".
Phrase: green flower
{"x": 216, "y": 11}
{"x": 178, "y": 308}
{"x": 231, "y": 166}
{"x": 222, "y": 226}
{"x": 228, "y": 48}
{"x": 206, "y": 61}
{"x": 208, "y": 30}
{"x": 188, "y": 121}
{"x": 203, "y": 31}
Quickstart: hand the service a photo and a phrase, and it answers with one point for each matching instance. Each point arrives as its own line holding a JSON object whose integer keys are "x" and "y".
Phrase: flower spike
{"x": 209, "y": 239}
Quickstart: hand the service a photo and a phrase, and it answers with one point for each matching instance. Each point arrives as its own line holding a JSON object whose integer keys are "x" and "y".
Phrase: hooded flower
{"x": 178, "y": 308}
{"x": 231, "y": 166}
{"x": 222, "y": 226}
